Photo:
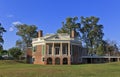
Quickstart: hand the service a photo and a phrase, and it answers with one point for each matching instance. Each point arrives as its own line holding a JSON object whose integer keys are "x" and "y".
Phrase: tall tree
{"x": 2, "y": 30}
{"x": 91, "y": 32}
{"x": 26, "y": 32}
{"x": 69, "y": 25}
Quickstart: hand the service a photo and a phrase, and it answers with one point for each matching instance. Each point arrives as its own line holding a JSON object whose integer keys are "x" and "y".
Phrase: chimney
{"x": 40, "y": 33}
{"x": 72, "y": 35}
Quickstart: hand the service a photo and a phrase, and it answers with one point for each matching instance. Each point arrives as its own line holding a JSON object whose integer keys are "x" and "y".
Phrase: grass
{"x": 15, "y": 69}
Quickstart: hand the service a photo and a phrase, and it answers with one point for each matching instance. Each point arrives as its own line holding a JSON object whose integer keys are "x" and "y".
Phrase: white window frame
{"x": 56, "y": 51}
{"x": 66, "y": 50}
{"x": 49, "y": 50}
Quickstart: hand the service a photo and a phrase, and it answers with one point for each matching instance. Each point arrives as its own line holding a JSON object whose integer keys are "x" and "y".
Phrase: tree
{"x": 108, "y": 47}
{"x": 91, "y": 33}
{"x": 102, "y": 48}
{"x": 15, "y": 52}
{"x": 20, "y": 44}
{"x": 69, "y": 25}
{"x": 4, "y": 52}
{"x": 112, "y": 48}
{"x": 2, "y": 30}
{"x": 26, "y": 32}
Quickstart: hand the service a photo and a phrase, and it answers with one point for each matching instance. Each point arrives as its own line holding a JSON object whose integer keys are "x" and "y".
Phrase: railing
{"x": 37, "y": 39}
{"x": 57, "y": 55}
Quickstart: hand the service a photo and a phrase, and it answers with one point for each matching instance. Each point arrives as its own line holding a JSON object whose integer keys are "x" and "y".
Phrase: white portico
{"x": 56, "y": 49}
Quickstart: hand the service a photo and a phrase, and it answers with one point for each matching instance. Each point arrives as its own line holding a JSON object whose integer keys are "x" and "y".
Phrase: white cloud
{"x": 11, "y": 29}
{"x": 16, "y": 23}
{"x": 13, "y": 25}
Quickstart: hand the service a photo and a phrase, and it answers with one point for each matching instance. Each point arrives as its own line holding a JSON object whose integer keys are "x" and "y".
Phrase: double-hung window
{"x": 57, "y": 50}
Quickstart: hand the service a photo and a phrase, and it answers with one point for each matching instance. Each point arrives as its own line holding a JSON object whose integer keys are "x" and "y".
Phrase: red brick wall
{"x": 38, "y": 55}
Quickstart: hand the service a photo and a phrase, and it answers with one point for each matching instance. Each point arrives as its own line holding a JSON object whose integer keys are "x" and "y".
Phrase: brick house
{"x": 62, "y": 49}
{"x": 56, "y": 49}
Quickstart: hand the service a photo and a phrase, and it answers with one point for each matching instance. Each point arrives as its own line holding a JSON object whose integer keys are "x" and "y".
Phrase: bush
{"x": 15, "y": 52}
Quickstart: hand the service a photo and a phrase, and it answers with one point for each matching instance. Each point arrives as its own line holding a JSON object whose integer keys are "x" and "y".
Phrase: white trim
{"x": 57, "y": 41}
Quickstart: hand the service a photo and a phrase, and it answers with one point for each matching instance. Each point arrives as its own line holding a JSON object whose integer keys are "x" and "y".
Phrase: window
{"x": 34, "y": 48}
{"x": 43, "y": 59}
{"x": 50, "y": 49}
{"x": 33, "y": 59}
{"x": 56, "y": 37}
{"x": 57, "y": 50}
{"x": 64, "y": 49}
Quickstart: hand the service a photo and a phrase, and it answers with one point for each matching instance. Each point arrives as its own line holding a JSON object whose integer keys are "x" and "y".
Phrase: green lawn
{"x": 14, "y": 69}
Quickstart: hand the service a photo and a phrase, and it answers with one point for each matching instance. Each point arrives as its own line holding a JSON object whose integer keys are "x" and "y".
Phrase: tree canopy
{"x": 69, "y": 25}
{"x": 26, "y": 32}
{"x": 88, "y": 29}
{"x": 2, "y": 30}
{"x": 91, "y": 32}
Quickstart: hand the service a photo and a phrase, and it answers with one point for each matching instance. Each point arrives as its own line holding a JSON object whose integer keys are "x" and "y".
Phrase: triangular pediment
{"x": 58, "y": 37}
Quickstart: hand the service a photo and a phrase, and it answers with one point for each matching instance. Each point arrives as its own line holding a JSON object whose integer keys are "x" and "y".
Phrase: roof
{"x": 56, "y": 37}
{"x": 100, "y": 56}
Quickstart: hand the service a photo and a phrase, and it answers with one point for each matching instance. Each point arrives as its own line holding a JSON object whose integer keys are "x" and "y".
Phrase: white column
{"x": 61, "y": 49}
{"x": 53, "y": 48}
{"x": 53, "y": 53}
{"x": 61, "y": 58}
{"x": 47, "y": 50}
{"x": 69, "y": 58}
{"x": 68, "y": 49}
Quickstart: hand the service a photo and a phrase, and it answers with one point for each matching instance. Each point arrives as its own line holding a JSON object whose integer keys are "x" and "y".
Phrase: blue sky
{"x": 48, "y": 15}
